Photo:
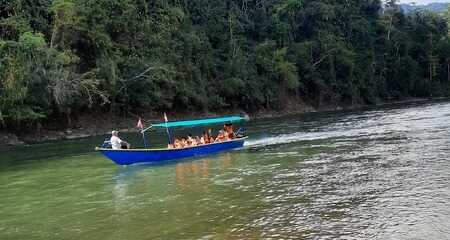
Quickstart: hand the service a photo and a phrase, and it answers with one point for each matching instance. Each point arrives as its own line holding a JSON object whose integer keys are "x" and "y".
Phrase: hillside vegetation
{"x": 59, "y": 58}
{"x": 434, "y": 7}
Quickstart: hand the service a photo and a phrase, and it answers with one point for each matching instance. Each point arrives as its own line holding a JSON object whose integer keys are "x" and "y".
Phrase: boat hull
{"x": 128, "y": 157}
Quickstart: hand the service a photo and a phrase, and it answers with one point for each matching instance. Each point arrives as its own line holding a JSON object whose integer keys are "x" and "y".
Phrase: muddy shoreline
{"x": 94, "y": 125}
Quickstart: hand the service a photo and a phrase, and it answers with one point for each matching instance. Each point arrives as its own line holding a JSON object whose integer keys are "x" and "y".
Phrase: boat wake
{"x": 348, "y": 133}
{"x": 289, "y": 138}
{"x": 372, "y": 125}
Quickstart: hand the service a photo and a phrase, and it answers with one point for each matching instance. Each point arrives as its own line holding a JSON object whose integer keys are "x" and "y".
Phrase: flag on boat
{"x": 140, "y": 125}
{"x": 169, "y": 133}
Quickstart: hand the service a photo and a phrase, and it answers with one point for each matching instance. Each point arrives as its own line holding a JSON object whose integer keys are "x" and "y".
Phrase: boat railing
{"x": 240, "y": 133}
{"x": 106, "y": 144}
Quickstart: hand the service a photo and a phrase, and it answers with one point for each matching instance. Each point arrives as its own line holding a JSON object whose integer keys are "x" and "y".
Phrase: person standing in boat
{"x": 117, "y": 143}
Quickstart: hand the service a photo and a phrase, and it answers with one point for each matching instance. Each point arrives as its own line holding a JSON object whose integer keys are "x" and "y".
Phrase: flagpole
{"x": 167, "y": 129}
{"x": 145, "y": 141}
{"x": 141, "y": 126}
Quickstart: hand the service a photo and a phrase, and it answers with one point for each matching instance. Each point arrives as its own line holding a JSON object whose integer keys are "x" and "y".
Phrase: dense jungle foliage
{"x": 62, "y": 57}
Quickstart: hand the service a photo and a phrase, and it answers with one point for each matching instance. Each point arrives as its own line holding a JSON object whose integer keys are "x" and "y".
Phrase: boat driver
{"x": 117, "y": 143}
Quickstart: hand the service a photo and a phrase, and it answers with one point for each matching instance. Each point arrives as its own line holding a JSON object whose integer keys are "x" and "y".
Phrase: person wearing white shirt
{"x": 116, "y": 142}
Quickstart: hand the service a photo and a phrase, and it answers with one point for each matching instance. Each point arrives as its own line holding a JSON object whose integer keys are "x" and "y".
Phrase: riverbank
{"x": 101, "y": 124}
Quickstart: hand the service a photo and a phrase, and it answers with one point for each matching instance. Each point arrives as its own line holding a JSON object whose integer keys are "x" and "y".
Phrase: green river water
{"x": 381, "y": 173}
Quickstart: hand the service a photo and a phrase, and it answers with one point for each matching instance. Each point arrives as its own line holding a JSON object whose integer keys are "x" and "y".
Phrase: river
{"x": 380, "y": 173}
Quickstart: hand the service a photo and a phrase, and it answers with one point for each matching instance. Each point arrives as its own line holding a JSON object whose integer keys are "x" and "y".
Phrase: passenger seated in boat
{"x": 210, "y": 136}
{"x": 221, "y": 136}
{"x": 225, "y": 136}
{"x": 197, "y": 141}
{"x": 183, "y": 143}
{"x": 205, "y": 137}
{"x": 170, "y": 146}
{"x": 190, "y": 140}
{"x": 177, "y": 143}
{"x": 117, "y": 143}
{"x": 202, "y": 140}
{"x": 228, "y": 128}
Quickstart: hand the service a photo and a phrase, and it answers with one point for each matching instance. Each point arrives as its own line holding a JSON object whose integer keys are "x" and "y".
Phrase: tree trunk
{"x": 448, "y": 71}
{"x": 68, "y": 118}
{"x": 390, "y": 27}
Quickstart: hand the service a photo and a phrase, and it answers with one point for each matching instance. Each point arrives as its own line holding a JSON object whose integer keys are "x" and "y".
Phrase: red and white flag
{"x": 165, "y": 117}
{"x": 140, "y": 124}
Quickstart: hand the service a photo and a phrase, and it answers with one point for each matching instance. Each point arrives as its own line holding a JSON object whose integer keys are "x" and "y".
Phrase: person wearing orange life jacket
{"x": 228, "y": 128}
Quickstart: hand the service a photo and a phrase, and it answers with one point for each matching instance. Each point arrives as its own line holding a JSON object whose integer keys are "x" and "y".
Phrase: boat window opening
{"x": 223, "y": 135}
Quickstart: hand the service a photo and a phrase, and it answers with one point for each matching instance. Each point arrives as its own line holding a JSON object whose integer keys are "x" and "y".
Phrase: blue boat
{"x": 133, "y": 156}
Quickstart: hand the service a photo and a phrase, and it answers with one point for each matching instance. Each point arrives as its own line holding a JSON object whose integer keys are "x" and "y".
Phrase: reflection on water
{"x": 184, "y": 170}
{"x": 200, "y": 168}
{"x": 191, "y": 169}
{"x": 377, "y": 174}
